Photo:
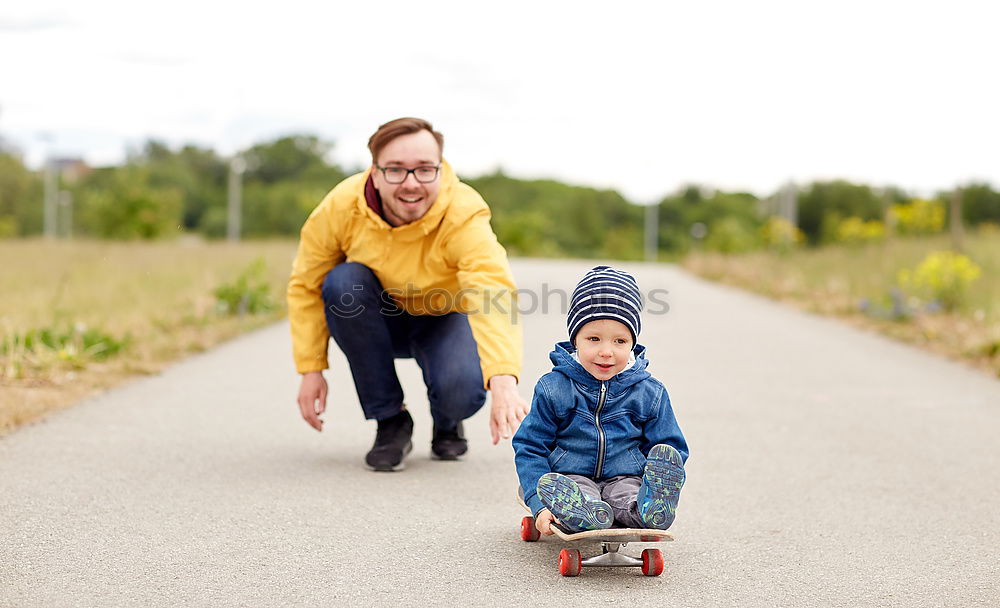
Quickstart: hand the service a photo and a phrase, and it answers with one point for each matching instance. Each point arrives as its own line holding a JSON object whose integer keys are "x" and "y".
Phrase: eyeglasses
{"x": 397, "y": 175}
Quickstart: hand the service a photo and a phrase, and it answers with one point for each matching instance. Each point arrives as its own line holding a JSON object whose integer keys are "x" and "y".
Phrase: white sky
{"x": 642, "y": 97}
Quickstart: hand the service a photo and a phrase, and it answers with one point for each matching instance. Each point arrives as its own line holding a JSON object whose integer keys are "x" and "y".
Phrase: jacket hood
{"x": 564, "y": 363}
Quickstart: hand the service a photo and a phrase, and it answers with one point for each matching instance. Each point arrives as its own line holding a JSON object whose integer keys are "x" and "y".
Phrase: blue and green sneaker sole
{"x": 661, "y": 486}
{"x": 574, "y": 509}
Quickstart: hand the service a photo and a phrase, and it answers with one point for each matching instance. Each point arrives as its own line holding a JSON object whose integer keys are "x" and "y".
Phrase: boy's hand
{"x": 543, "y": 522}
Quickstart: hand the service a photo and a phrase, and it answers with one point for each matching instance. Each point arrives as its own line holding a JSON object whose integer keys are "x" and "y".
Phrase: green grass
{"x": 834, "y": 280}
{"x": 78, "y": 316}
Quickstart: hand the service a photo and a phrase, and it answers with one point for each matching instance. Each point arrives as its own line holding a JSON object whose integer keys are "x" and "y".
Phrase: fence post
{"x": 50, "y": 197}
{"x": 235, "y": 207}
{"x": 652, "y": 232}
{"x": 955, "y": 221}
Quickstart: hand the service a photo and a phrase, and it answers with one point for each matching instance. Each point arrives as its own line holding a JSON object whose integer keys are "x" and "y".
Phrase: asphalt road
{"x": 828, "y": 468}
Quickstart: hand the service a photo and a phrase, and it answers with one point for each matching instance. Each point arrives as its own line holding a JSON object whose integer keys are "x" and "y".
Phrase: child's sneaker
{"x": 574, "y": 509}
{"x": 661, "y": 487}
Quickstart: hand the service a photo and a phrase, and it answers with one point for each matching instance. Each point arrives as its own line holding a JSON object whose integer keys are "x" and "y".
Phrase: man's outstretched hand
{"x": 312, "y": 398}
{"x": 508, "y": 408}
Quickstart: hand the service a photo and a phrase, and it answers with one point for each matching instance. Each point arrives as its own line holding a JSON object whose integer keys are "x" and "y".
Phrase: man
{"x": 400, "y": 261}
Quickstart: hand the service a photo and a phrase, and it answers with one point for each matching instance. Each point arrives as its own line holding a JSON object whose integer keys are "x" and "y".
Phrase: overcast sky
{"x": 643, "y": 97}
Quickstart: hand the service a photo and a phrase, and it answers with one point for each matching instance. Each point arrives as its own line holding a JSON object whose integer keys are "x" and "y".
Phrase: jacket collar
{"x": 426, "y": 224}
{"x": 564, "y": 363}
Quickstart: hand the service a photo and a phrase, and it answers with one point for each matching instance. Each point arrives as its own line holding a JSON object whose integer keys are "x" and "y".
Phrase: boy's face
{"x": 603, "y": 347}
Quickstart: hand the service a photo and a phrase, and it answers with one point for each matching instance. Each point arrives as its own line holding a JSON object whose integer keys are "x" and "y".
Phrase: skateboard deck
{"x": 618, "y": 535}
{"x": 571, "y": 561}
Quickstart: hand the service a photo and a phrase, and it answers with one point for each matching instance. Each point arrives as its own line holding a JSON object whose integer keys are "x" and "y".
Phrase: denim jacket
{"x": 583, "y": 426}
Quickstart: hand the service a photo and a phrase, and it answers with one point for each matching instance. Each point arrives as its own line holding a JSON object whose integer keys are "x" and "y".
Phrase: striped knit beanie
{"x": 605, "y": 293}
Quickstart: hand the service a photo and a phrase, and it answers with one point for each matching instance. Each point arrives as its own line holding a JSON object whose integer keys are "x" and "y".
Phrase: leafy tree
{"x": 122, "y": 203}
{"x": 280, "y": 208}
{"x": 284, "y": 181}
{"x": 20, "y": 198}
{"x": 286, "y": 158}
{"x": 823, "y": 205}
{"x": 732, "y": 219}
{"x": 545, "y": 217}
{"x": 198, "y": 173}
{"x": 980, "y": 203}
{"x": 729, "y": 234}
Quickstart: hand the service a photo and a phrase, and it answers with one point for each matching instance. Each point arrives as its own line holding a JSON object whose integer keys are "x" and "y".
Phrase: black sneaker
{"x": 449, "y": 444}
{"x": 392, "y": 443}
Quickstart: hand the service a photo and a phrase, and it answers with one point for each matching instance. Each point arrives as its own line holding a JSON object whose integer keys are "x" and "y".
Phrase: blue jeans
{"x": 372, "y": 332}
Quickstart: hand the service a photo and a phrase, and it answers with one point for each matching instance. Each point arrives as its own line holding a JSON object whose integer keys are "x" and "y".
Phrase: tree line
{"x": 160, "y": 192}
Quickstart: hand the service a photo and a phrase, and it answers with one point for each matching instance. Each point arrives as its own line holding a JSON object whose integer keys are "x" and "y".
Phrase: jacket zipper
{"x": 601, "y": 440}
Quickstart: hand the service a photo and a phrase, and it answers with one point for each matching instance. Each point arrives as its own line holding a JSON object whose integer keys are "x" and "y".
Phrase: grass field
{"x": 834, "y": 281}
{"x": 154, "y": 300}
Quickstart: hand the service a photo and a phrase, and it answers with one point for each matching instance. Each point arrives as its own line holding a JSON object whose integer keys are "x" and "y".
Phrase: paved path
{"x": 829, "y": 468}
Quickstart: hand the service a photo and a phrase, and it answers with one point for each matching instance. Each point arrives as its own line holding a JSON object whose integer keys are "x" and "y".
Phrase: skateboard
{"x": 572, "y": 562}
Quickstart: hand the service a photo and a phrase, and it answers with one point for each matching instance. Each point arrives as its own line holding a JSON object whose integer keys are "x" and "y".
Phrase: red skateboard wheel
{"x": 529, "y": 533}
{"x": 652, "y": 562}
{"x": 570, "y": 562}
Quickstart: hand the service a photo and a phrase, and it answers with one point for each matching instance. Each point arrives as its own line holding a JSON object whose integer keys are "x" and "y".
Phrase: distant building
{"x": 71, "y": 169}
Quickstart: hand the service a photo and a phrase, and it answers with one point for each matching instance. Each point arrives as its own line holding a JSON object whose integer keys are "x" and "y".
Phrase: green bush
{"x": 73, "y": 345}
{"x": 8, "y": 227}
{"x": 980, "y": 203}
{"x": 781, "y": 235}
{"x": 249, "y": 293}
{"x": 856, "y": 231}
{"x": 822, "y": 206}
{"x": 20, "y": 198}
{"x": 122, "y": 204}
{"x": 918, "y": 217}
{"x": 944, "y": 276}
{"x": 731, "y": 235}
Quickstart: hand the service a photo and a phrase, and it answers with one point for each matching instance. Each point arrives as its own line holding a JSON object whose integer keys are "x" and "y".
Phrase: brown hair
{"x": 401, "y": 126}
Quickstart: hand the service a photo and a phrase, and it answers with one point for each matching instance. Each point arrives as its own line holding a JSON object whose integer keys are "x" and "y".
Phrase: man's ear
{"x": 374, "y": 181}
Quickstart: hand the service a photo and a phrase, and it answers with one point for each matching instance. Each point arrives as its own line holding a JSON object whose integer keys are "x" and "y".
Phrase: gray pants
{"x": 619, "y": 492}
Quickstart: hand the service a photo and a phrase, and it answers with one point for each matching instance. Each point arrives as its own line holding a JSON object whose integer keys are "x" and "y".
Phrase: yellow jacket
{"x": 448, "y": 260}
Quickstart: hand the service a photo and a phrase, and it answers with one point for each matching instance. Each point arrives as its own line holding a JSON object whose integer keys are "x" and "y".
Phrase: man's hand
{"x": 508, "y": 409}
{"x": 312, "y": 398}
{"x": 544, "y": 522}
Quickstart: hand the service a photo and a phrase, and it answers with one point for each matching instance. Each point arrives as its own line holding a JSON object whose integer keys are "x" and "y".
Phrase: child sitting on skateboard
{"x": 601, "y": 445}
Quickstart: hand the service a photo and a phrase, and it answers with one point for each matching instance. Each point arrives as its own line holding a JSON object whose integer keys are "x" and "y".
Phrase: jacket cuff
{"x": 535, "y": 504}
{"x": 312, "y": 366}
{"x": 501, "y": 369}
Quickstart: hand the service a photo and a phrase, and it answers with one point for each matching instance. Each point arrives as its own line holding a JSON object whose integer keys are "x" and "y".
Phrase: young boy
{"x": 601, "y": 445}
